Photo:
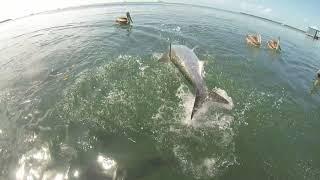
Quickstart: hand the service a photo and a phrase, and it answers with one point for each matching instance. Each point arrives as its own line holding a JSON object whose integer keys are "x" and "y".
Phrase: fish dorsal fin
{"x": 213, "y": 95}
{"x": 199, "y": 100}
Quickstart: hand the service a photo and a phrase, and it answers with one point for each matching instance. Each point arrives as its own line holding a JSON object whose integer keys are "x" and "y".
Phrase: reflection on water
{"x": 58, "y": 177}
{"x": 76, "y": 174}
{"x": 108, "y": 165}
{"x": 38, "y": 164}
{"x": 315, "y": 89}
{"x": 125, "y": 27}
{"x": 33, "y": 164}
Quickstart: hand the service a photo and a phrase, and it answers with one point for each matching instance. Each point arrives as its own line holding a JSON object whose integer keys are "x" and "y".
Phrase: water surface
{"x": 82, "y": 98}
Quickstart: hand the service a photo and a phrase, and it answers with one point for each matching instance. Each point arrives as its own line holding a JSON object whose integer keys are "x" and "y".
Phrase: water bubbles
{"x": 76, "y": 173}
{"x": 204, "y": 167}
{"x": 144, "y": 100}
{"x": 33, "y": 163}
{"x": 157, "y": 56}
{"x": 59, "y": 177}
{"x": 85, "y": 145}
{"x": 36, "y": 112}
{"x": 177, "y": 29}
{"x": 212, "y": 125}
{"x": 132, "y": 140}
{"x": 108, "y": 165}
{"x": 67, "y": 152}
{"x": 26, "y": 101}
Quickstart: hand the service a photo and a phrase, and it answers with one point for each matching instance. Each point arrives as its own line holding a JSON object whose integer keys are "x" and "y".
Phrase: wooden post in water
{"x": 315, "y": 35}
{"x": 313, "y": 32}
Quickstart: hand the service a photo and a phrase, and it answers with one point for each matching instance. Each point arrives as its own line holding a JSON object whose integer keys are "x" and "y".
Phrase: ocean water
{"x": 84, "y": 98}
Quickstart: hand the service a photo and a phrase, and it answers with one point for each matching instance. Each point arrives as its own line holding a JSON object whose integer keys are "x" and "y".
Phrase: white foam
{"x": 179, "y": 153}
{"x": 204, "y": 168}
{"x": 210, "y": 166}
{"x": 177, "y": 29}
{"x": 141, "y": 66}
{"x": 26, "y": 102}
{"x": 188, "y": 100}
{"x": 217, "y": 120}
{"x": 157, "y": 56}
{"x": 159, "y": 113}
{"x": 34, "y": 162}
{"x": 124, "y": 56}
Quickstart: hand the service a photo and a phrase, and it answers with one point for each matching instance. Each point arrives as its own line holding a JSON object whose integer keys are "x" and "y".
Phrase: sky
{"x": 297, "y": 13}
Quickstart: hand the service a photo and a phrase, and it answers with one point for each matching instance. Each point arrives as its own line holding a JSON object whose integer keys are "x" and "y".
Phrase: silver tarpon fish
{"x": 191, "y": 67}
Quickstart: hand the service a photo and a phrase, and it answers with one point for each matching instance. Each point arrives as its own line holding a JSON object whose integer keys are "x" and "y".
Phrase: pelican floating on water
{"x": 274, "y": 44}
{"x": 124, "y": 20}
{"x": 254, "y": 40}
{"x": 317, "y": 82}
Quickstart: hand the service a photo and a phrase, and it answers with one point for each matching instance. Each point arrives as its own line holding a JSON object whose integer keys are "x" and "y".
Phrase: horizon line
{"x": 159, "y": 2}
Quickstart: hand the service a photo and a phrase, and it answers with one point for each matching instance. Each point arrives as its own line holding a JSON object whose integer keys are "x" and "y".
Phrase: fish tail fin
{"x": 216, "y": 95}
{"x": 220, "y": 96}
{"x": 199, "y": 100}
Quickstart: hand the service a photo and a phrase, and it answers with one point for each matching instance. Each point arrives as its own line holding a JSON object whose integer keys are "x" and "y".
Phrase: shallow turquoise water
{"x": 82, "y": 98}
